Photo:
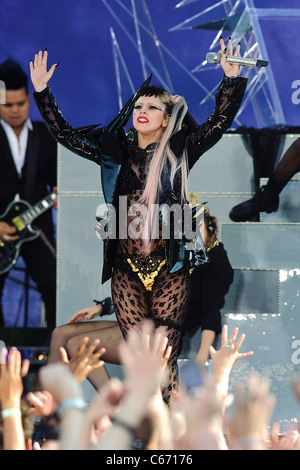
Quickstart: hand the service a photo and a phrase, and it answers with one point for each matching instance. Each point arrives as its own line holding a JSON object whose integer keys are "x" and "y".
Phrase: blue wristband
{"x": 72, "y": 403}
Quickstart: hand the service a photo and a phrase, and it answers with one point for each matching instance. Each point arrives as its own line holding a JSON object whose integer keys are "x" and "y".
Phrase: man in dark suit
{"x": 28, "y": 162}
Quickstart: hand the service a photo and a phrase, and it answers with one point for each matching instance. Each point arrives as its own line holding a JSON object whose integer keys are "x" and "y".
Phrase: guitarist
{"x": 28, "y": 161}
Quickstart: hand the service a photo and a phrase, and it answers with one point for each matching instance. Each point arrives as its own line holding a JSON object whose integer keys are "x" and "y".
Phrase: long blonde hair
{"x": 163, "y": 158}
{"x": 210, "y": 221}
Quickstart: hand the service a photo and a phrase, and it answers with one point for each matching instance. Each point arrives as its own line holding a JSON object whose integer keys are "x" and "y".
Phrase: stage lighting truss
{"x": 239, "y": 19}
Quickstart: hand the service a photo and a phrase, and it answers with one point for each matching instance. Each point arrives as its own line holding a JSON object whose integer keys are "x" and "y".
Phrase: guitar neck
{"x": 38, "y": 209}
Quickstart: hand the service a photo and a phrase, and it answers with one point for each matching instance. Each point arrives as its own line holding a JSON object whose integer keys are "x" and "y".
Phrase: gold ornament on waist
{"x": 147, "y": 273}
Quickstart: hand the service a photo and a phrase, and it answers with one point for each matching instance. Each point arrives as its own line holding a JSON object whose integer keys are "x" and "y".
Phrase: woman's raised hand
{"x": 38, "y": 71}
{"x": 231, "y": 70}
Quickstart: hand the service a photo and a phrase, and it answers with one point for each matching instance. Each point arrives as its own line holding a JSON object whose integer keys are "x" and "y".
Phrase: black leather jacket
{"x": 110, "y": 151}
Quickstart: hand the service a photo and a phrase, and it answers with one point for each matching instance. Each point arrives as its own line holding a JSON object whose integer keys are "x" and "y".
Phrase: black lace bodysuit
{"x": 129, "y": 256}
{"x": 143, "y": 287}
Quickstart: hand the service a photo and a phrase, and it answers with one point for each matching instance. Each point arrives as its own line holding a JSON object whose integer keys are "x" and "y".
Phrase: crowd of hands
{"x": 201, "y": 421}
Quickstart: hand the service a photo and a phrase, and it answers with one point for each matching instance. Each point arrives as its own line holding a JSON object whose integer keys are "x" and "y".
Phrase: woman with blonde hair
{"x": 147, "y": 167}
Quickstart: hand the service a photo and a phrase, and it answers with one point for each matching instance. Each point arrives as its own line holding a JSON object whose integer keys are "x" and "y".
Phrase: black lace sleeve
{"x": 228, "y": 99}
{"x": 60, "y": 129}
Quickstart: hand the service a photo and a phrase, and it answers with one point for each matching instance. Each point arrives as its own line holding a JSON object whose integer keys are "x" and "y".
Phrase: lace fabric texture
{"x": 131, "y": 249}
{"x": 228, "y": 99}
{"x": 157, "y": 293}
{"x": 166, "y": 305}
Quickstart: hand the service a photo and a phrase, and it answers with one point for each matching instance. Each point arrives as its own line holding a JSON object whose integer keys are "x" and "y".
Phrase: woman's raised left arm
{"x": 229, "y": 96}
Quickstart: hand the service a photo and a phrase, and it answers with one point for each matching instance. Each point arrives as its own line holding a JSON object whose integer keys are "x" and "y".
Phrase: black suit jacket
{"x": 38, "y": 174}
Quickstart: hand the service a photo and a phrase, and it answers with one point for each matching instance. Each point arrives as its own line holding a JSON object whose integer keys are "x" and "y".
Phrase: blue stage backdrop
{"x": 78, "y": 35}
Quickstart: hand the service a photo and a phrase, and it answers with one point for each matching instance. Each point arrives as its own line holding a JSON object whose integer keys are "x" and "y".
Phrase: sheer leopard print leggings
{"x": 166, "y": 305}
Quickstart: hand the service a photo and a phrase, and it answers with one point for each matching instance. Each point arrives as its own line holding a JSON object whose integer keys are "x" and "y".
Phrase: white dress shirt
{"x": 18, "y": 146}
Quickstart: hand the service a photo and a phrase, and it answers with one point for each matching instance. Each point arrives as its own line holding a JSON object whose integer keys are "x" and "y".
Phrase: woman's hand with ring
{"x": 228, "y": 354}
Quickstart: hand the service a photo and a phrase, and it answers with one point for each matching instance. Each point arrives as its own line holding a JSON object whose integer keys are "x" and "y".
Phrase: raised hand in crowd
{"x": 144, "y": 358}
{"x": 86, "y": 360}
{"x": 145, "y": 347}
{"x": 203, "y": 418}
{"x": 68, "y": 395}
{"x": 224, "y": 358}
{"x": 158, "y": 414}
{"x": 247, "y": 428}
{"x": 288, "y": 438}
{"x": 99, "y": 413}
{"x": 11, "y": 388}
{"x": 41, "y": 403}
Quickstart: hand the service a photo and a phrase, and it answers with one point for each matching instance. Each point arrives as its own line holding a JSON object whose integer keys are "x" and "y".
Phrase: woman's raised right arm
{"x": 71, "y": 138}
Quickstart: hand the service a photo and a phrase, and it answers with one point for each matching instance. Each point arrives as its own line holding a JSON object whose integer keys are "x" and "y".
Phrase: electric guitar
{"x": 20, "y": 214}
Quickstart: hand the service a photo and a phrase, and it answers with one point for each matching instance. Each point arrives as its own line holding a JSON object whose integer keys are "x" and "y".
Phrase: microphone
{"x": 215, "y": 58}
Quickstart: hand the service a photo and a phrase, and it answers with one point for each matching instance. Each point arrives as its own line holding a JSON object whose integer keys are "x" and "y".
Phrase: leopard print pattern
{"x": 165, "y": 305}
